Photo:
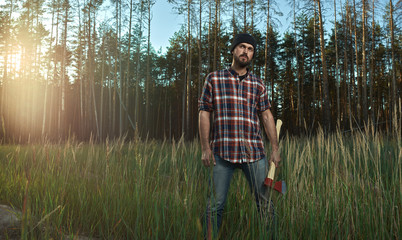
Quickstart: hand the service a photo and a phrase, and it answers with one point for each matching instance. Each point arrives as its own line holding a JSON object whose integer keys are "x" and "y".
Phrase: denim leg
{"x": 222, "y": 175}
{"x": 255, "y": 173}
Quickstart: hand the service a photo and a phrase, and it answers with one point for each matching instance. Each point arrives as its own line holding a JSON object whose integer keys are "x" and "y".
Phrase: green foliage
{"x": 338, "y": 187}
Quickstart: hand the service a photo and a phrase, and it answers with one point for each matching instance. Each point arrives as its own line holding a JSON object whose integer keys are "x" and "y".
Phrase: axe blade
{"x": 280, "y": 186}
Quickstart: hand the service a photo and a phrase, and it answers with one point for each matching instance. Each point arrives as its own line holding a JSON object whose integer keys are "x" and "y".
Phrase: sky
{"x": 166, "y": 22}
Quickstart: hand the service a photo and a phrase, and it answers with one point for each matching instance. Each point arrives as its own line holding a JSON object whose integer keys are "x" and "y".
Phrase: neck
{"x": 240, "y": 70}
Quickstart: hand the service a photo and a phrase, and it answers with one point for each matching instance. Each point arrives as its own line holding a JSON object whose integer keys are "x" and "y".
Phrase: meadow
{"x": 339, "y": 187}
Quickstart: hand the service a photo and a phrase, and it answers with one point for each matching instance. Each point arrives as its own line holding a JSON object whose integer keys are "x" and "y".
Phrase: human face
{"x": 243, "y": 54}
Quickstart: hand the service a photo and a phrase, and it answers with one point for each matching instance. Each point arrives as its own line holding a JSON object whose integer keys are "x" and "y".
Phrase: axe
{"x": 269, "y": 180}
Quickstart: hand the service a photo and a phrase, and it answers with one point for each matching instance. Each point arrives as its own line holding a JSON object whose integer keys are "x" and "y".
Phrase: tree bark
{"x": 266, "y": 53}
{"x": 358, "y": 91}
{"x": 66, "y": 7}
{"x": 326, "y": 104}
{"x": 188, "y": 77}
{"x": 364, "y": 66}
{"x": 394, "y": 100}
{"x": 127, "y": 84}
{"x": 338, "y": 106}
{"x": 245, "y": 16}
{"x": 148, "y": 80}
{"x": 137, "y": 75}
{"x": 199, "y": 51}
{"x": 47, "y": 77}
{"x": 371, "y": 72}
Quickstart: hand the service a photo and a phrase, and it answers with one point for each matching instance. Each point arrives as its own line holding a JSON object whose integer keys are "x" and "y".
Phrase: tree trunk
{"x": 116, "y": 58}
{"x": 55, "y": 77}
{"x": 102, "y": 88}
{"x": 188, "y": 80}
{"x": 364, "y": 66}
{"x": 91, "y": 60}
{"x": 372, "y": 70}
{"x": 127, "y": 84}
{"x": 252, "y": 16}
{"x": 47, "y": 77}
{"x": 394, "y": 100}
{"x": 326, "y": 104}
{"x": 210, "y": 66}
{"x": 79, "y": 72}
{"x": 148, "y": 80}
{"x": 345, "y": 94}
{"x": 233, "y": 18}
{"x": 358, "y": 96}
{"x": 66, "y": 8}
{"x": 352, "y": 110}
{"x": 297, "y": 69}
{"x": 121, "y": 104}
{"x": 137, "y": 75}
{"x": 314, "y": 66}
{"x": 245, "y": 16}
{"x": 199, "y": 52}
{"x": 266, "y": 53}
{"x": 215, "y": 31}
{"x": 338, "y": 106}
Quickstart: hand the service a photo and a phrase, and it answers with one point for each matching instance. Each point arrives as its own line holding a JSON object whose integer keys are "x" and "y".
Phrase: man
{"x": 236, "y": 97}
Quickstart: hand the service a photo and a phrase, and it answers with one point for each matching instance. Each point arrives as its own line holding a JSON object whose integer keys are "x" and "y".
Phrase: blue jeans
{"x": 255, "y": 173}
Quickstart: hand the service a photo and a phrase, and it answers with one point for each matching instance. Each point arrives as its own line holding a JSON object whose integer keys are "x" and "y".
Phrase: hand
{"x": 206, "y": 157}
{"x": 275, "y": 157}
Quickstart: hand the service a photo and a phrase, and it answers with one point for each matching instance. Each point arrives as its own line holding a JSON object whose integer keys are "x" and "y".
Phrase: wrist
{"x": 206, "y": 148}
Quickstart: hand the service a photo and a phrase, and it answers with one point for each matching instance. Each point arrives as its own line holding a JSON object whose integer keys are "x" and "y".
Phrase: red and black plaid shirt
{"x": 235, "y": 103}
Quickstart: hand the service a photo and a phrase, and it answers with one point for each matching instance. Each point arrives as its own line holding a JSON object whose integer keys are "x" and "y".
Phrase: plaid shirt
{"x": 236, "y": 133}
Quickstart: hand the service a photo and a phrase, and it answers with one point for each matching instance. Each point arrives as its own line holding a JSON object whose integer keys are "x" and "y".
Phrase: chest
{"x": 232, "y": 92}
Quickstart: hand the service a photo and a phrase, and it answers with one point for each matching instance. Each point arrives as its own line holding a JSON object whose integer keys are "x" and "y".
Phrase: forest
{"x": 78, "y": 69}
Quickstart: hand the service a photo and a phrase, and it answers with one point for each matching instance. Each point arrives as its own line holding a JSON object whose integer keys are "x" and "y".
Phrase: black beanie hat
{"x": 243, "y": 38}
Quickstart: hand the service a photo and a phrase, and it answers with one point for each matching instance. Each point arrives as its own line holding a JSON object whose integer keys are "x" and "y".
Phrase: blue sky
{"x": 166, "y": 22}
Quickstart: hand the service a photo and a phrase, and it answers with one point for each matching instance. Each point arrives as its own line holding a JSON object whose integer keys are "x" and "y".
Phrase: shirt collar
{"x": 234, "y": 73}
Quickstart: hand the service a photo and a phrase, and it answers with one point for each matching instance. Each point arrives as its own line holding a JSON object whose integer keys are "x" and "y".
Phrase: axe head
{"x": 280, "y": 187}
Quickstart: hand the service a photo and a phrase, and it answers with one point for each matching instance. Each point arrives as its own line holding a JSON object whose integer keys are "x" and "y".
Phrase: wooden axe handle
{"x": 272, "y": 168}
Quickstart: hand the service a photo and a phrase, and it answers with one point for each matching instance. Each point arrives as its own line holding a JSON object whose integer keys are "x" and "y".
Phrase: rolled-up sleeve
{"x": 205, "y": 103}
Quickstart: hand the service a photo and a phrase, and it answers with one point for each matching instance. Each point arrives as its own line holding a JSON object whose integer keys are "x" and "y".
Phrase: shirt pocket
{"x": 251, "y": 96}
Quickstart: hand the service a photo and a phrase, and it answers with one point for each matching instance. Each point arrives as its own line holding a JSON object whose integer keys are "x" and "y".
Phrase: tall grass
{"x": 338, "y": 188}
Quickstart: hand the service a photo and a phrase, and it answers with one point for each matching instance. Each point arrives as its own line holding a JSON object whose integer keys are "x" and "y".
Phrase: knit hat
{"x": 243, "y": 38}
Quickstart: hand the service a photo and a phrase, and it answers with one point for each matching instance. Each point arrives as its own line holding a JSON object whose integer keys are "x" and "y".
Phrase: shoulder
{"x": 218, "y": 75}
{"x": 219, "y": 72}
{"x": 257, "y": 80}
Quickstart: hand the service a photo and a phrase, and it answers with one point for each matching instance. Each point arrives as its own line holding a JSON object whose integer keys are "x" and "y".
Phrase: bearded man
{"x": 236, "y": 98}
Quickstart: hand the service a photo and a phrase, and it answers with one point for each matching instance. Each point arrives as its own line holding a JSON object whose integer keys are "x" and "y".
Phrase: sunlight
{"x": 23, "y": 93}
{"x": 14, "y": 62}
{"x": 25, "y": 104}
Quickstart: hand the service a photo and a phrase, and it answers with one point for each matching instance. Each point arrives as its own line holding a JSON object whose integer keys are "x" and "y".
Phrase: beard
{"x": 240, "y": 62}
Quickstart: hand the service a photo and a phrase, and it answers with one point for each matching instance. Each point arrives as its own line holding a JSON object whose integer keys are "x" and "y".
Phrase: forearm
{"x": 204, "y": 127}
{"x": 270, "y": 129}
